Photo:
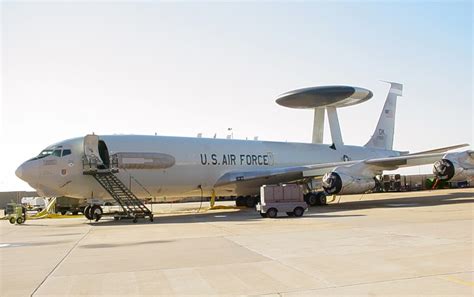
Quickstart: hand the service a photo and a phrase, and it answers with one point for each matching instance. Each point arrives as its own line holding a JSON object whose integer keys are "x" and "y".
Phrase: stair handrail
{"x": 139, "y": 183}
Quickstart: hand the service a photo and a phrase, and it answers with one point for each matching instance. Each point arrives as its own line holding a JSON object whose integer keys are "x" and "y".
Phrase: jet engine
{"x": 337, "y": 182}
{"x": 455, "y": 166}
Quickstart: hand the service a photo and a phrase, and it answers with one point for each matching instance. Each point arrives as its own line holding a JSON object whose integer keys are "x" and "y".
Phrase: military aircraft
{"x": 128, "y": 168}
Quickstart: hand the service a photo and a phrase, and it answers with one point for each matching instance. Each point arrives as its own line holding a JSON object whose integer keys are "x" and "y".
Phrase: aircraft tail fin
{"x": 384, "y": 132}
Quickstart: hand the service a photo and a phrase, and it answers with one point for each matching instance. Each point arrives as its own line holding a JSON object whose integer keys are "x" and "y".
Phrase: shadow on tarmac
{"x": 108, "y": 245}
{"x": 414, "y": 201}
{"x": 313, "y": 212}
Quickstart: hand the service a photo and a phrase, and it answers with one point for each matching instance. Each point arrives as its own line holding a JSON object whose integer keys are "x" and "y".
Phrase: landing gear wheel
{"x": 290, "y": 214}
{"x": 87, "y": 212}
{"x": 151, "y": 218}
{"x": 135, "y": 220}
{"x": 263, "y": 215}
{"x": 19, "y": 220}
{"x": 298, "y": 212}
{"x": 12, "y": 220}
{"x": 321, "y": 197}
{"x": 240, "y": 201}
{"x": 314, "y": 199}
{"x": 272, "y": 213}
{"x": 311, "y": 199}
{"x": 250, "y": 201}
{"x": 96, "y": 212}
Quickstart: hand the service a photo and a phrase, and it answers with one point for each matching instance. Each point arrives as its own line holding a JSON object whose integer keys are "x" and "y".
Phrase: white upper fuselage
{"x": 199, "y": 163}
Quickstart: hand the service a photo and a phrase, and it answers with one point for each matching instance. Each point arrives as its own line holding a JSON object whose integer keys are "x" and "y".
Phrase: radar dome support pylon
{"x": 318, "y": 125}
{"x": 325, "y": 99}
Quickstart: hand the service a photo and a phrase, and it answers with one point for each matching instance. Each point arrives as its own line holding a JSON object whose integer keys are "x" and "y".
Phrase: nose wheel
{"x": 87, "y": 212}
{"x": 93, "y": 212}
{"x": 96, "y": 212}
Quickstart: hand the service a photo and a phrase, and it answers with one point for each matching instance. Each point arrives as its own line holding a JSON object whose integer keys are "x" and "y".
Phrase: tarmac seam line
{"x": 280, "y": 262}
{"x": 440, "y": 275}
{"x": 62, "y": 260}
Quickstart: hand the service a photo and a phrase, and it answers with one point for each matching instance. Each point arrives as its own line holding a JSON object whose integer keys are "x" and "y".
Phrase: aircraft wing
{"x": 442, "y": 149}
{"x": 289, "y": 174}
{"x": 285, "y": 173}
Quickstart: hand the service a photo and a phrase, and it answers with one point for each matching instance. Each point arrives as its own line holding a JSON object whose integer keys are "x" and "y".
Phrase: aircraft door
{"x": 91, "y": 151}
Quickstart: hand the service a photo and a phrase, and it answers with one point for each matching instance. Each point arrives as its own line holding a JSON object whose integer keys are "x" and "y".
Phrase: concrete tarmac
{"x": 414, "y": 243}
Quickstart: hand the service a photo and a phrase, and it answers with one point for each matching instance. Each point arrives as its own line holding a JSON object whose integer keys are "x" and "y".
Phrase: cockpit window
{"x": 43, "y": 154}
{"x": 53, "y": 151}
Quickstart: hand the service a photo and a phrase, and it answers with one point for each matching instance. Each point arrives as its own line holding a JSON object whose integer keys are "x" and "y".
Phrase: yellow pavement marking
{"x": 457, "y": 280}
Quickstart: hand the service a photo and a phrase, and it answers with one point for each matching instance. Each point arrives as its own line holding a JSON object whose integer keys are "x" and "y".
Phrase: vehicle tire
{"x": 96, "y": 212}
{"x": 290, "y": 213}
{"x": 12, "y": 220}
{"x": 151, "y": 218}
{"x": 321, "y": 197}
{"x": 250, "y": 201}
{"x": 272, "y": 213}
{"x": 312, "y": 199}
{"x": 19, "y": 220}
{"x": 87, "y": 212}
{"x": 298, "y": 211}
{"x": 263, "y": 214}
{"x": 135, "y": 220}
{"x": 63, "y": 212}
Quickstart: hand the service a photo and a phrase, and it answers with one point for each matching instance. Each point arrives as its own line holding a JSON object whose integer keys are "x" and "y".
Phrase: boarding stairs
{"x": 133, "y": 207}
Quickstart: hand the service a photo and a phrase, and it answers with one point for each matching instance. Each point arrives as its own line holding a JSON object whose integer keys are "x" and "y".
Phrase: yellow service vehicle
{"x": 15, "y": 213}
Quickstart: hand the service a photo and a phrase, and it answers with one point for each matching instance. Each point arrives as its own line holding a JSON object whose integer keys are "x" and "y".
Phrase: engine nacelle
{"x": 455, "y": 167}
{"x": 444, "y": 169}
{"x": 341, "y": 183}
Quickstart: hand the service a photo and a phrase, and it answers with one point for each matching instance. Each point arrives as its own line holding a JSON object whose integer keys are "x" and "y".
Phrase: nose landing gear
{"x": 93, "y": 212}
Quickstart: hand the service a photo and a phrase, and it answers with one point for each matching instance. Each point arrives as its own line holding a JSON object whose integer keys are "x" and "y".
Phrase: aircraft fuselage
{"x": 198, "y": 163}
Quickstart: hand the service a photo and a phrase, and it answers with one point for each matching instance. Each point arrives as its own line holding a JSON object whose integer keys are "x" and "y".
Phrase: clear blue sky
{"x": 179, "y": 69}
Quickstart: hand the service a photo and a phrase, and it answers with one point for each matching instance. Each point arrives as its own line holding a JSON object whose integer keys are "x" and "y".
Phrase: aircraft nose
{"x": 19, "y": 171}
{"x": 26, "y": 172}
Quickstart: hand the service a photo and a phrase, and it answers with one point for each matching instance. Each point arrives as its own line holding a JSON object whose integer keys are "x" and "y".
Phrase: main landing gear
{"x": 247, "y": 201}
{"x": 316, "y": 198}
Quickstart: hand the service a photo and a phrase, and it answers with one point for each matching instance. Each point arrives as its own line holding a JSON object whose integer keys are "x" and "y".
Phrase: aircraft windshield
{"x": 54, "y": 151}
{"x": 43, "y": 154}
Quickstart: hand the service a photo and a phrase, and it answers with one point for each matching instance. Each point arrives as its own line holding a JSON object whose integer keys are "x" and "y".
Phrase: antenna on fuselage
{"x": 325, "y": 99}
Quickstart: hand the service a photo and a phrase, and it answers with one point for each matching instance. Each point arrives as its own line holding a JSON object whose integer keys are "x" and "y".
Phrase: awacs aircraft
{"x": 128, "y": 168}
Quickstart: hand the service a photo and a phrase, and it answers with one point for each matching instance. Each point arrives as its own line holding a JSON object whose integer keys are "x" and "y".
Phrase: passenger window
{"x": 57, "y": 153}
{"x": 66, "y": 152}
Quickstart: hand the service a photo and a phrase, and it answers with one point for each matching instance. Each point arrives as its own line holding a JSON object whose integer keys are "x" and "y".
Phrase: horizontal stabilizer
{"x": 395, "y": 88}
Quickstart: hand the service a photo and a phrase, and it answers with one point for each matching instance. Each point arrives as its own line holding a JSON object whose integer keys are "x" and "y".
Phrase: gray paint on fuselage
{"x": 188, "y": 173}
